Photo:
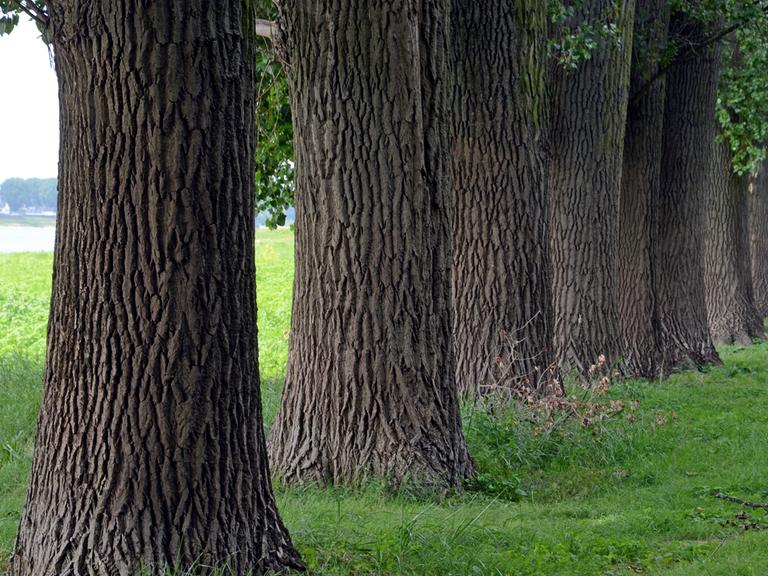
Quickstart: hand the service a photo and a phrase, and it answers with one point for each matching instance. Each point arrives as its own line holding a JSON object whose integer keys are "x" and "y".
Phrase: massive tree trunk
{"x": 369, "y": 389}
{"x": 758, "y": 239}
{"x": 587, "y": 136}
{"x": 680, "y": 212}
{"x": 150, "y": 449}
{"x": 501, "y": 284}
{"x": 731, "y": 308}
{"x": 640, "y": 183}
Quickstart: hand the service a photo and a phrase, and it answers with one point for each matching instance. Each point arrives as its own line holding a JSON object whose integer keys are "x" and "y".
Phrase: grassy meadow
{"x": 631, "y": 494}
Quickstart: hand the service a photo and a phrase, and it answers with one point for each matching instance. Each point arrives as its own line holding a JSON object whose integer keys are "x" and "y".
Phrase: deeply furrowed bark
{"x": 587, "y": 137}
{"x": 731, "y": 311}
{"x": 150, "y": 450}
{"x": 369, "y": 389}
{"x": 501, "y": 283}
{"x": 758, "y": 239}
{"x": 639, "y": 185}
{"x": 680, "y": 213}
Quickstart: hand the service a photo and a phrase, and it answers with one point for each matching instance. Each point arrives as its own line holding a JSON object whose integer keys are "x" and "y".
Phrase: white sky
{"x": 29, "y": 106}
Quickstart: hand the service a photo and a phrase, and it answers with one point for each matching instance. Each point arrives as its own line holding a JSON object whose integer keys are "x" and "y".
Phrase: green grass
{"x": 36, "y": 220}
{"x": 617, "y": 498}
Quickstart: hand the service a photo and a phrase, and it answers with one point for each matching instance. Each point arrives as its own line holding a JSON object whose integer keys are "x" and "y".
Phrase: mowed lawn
{"x": 632, "y": 495}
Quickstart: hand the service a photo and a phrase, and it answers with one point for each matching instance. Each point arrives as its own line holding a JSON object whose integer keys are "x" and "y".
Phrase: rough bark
{"x": 150, "y": 450}
{"x": 369, "y": 389}
{"x": 680, "y": 211}
{"x": 501, "y": 284}
{"x": 758, "y": 239}
{"x": 731, "y": 310}
{"x": 639, "y": 185}
{"x": 588, "y": 120}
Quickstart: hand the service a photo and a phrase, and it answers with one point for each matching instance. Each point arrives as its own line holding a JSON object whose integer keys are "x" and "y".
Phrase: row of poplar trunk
{"x": 469, "y": 218}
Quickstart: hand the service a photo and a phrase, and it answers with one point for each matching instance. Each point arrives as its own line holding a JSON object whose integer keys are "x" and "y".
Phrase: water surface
{"x": 27, "y": 239}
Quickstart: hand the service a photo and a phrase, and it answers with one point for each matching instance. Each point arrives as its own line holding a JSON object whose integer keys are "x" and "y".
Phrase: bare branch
{"x": 34, "y": 11}
{"x": 41, "y": 10}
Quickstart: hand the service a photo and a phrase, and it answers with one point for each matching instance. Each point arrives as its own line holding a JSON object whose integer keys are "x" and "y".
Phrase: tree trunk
{"x": 587, "y": 136}
{"x": 369, "y": 389}
{"x": 501, "y": 284}
{"x": 731, "y": 311}
{"x": 639, "y": 185}
{"x": 758, "y": 239}
{"x": 680, "y": 212}
{"x": 150, "y": 450}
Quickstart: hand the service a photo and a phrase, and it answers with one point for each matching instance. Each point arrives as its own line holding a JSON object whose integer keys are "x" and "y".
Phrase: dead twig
{"x": 747, "y": 503}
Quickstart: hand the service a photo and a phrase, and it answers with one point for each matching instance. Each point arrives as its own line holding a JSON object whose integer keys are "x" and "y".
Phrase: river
{"x": 27, "y": 239}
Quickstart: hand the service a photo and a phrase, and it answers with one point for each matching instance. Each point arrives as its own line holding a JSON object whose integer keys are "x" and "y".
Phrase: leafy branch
{"x": 10, "y": 10}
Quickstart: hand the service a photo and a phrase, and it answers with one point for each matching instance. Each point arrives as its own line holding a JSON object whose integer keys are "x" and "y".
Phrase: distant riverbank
{"x": 31, "y": 233}
{"x": 35, "y": 220}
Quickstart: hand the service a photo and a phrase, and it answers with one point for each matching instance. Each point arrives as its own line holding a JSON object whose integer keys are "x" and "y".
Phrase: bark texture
{"x": 150, "y": 450}
{"x": 680, "y": 212}
{"x": 501, "y": 282}
{"x": 640, "y": 183}
{"x": 758, "y": 239}
{"x": 369, "y": 389}
{"x": 588, "y": 119}
{"x": 731, "y": 312}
